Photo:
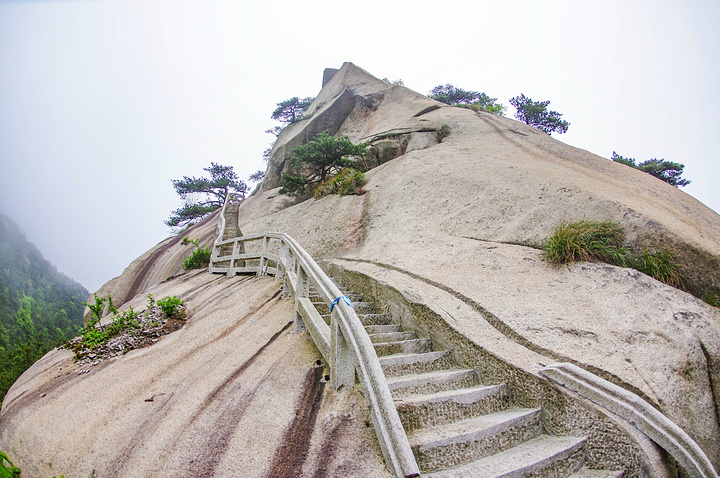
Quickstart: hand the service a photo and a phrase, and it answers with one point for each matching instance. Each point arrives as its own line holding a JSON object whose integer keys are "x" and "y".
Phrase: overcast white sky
{"x": 103, "y": 102}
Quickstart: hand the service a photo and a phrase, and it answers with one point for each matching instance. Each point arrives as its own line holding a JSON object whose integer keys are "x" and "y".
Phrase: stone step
{"x": 432, "y": 382}
{"x": 359, "y": 307}
{"x": 544, "y": 456}
{"x": 462, "y": 442}
{"x": 403, "y": 364}
{"x": 588, "y": 473}
{"x": 374, "y": 319}
{"x": 412, "y": 346}
{"x": 383, "y": 329}
{"x": 386, "y": 337}
{"x": 423, "y": 411}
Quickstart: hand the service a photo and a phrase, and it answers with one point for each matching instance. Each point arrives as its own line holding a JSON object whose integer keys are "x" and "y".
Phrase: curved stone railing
{"x": 637, "y": 411}
{"x": 344, "y": 343}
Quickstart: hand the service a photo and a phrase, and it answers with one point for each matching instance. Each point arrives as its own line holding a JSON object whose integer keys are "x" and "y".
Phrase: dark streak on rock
{"x": 150, "y": 425}
{"x": 329, "y": 447}
{"x": 237, "y": 372}
{"x": 212, "y": 451}
{"x": 140, "y": 278}
{"x": 293, "y": 451}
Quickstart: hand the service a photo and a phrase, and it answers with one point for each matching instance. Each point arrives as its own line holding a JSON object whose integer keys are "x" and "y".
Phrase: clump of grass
{"x": 198, "y": 258}
{"x": 586, "y": 241}
{"x": 347, "y": 181}
{"x": 603, "y": 241}
{"x": 660, "y": 266}
{"x": 442, "y": 133}
{"x": 712, "y": 299}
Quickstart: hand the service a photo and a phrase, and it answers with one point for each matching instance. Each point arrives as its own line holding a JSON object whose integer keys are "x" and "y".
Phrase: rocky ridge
{"x": 450, "y": 228}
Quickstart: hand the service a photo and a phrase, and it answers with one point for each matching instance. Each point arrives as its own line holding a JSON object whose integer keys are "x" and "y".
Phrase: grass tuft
{"x": 585, "y": 241}
{"x": 348, "y": 181}
{"x": 602, "y": 241}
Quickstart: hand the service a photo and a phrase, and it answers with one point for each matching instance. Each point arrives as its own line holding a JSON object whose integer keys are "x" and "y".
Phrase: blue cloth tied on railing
{"x": 344, "y": 297}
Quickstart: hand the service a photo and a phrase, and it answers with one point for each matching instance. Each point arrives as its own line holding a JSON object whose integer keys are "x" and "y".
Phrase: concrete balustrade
{"x": 344, "y": 343}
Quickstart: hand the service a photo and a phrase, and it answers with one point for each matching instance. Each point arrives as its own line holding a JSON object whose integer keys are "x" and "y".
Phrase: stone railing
{"x": 659, "y": 428}
{"x": 343, "y": 343}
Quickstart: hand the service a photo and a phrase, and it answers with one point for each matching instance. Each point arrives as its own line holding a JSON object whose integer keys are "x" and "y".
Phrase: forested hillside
{"x": 40, "y": 307}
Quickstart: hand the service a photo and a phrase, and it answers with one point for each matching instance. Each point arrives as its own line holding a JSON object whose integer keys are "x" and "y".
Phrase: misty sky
{"x": 103, "y": 102}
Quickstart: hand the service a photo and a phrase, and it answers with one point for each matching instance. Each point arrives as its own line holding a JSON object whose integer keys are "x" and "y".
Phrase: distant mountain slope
{"x": 39, "y": 306}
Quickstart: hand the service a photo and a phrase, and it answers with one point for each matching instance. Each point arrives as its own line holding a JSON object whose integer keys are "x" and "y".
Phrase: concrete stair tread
{"x": 402, "y": 364}
{"x": 440, "y": 378}
{"x": 387, "y": 337}
{"x": 403, "y": 347}
{"x": 529, "y": 457}
{"x": 471, "y": 428}
{"x": 417, "y": 340}
{"x": 462, "y": 396}
{"x": 382, "y": 329}
{"x": 373, "y": 319}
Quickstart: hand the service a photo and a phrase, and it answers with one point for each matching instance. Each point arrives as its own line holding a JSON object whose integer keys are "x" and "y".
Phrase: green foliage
{"x": 97, "y": 309}
{"x": 347, "y": 181}
{"x": 396, "y": 82}
{"x": 712, "y": 299}
{"x": 170, "y": 306}
{"x": 198, "y": 258}
{"x": 584, "y": 241}
{"x": 257, "y": 176}
{"x": 94, "y": 336}
{"x": 40, "y": 308}
{"x": 442, "y": 133}
{"x": 659, "y": 265}
{"x": 603, "y": 241}
{"x": 478, "y": 101}
{"x": 7, "y": 469}
{"x": 664, "y": 170}
{"x": 204, "y": 195}
{"x": 290, "y": 111}
{"x": 313, "y": 163}
{"x": 535, "y": 113}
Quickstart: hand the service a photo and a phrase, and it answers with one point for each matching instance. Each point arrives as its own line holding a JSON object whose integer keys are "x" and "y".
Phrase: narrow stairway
{"x": 458, "y": 426}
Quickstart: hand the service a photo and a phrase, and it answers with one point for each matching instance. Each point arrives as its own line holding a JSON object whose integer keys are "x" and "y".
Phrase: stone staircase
{"x": 458, "y": 426}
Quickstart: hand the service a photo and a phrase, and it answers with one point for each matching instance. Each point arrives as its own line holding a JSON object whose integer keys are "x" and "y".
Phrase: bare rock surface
{"x": 470, "y": 213}
{"x": 454, "y": 225}
{"x": 219, "y": 397}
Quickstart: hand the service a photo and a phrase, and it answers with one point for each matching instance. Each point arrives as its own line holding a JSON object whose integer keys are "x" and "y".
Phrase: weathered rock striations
{"x": 445, "y": 239}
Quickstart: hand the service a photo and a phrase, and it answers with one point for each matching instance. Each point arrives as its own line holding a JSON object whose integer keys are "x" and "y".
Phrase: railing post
{"x": 342, "y": 370}
{"x": 282, "y": 255}
{"x": 263, "y": 258}
{"x": 235, "y": 252}
{"x": 302, "y": 289}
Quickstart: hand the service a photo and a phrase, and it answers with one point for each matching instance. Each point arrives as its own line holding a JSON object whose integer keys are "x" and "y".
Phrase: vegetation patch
{"x": 199, "y": 258}
{"x": 126, "y": 330}
{"x": 347, "y": 181}
{"x": 321, "y": 159}
{"x": 603, "y": 241}
{"x": 442, "y": 133}
{"x": 7, "y": 469}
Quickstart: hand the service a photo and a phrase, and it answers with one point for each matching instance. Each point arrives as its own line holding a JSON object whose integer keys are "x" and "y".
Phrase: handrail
{"x": 344, "y": 344}
{"x": 637, "y": 411}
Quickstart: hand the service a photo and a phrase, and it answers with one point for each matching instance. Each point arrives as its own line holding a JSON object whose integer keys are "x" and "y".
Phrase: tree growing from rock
{"x": 478, "y": 101}
{"x": 319, "y": 159}
{"x": 204, "y": 195}
{"x": 289, "y": 111}
{"x": 664, "y": 170}
{"x": 535, "y": 113}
